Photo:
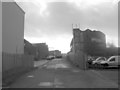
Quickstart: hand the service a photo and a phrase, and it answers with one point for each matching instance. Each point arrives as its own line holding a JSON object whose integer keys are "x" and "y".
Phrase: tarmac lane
{"x": 59, "y": 73}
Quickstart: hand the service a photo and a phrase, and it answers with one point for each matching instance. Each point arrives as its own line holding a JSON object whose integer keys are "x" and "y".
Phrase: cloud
{"x": 56, "y": 23}
{"x": 84, "y": 4}
{"x": 52, "y": 21}
{"x": 42, "y": 5}
{"x": 54, "y": 43}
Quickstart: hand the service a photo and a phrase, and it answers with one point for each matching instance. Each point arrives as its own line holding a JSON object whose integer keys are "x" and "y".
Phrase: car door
{"x": 112, "y": 62}
{"x": 116, "y": 61}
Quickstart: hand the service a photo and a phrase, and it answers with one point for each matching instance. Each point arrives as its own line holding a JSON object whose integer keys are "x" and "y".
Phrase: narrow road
{"x": 59, "y": 73}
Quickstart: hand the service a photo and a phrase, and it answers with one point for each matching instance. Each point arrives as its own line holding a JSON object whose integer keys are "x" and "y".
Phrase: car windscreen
{"x": 113, "y": 59}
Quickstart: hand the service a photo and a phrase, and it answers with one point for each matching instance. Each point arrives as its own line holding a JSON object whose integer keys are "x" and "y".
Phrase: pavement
{"x": 59, "y": 73}
{"x": 15, "y": 77}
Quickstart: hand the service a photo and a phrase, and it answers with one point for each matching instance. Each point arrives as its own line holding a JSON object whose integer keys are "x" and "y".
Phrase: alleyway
{"x": 59, "y": 73}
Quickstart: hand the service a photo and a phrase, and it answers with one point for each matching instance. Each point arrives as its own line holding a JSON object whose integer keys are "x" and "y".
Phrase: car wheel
{"x": 99, "y": 66}
{"x": 105, "y": 65}
{"x": 96, "y": 65}
{"x": 118, "y": 66}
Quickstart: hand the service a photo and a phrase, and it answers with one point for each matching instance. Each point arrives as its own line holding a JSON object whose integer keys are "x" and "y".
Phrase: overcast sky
{"x": 51, "y": 22}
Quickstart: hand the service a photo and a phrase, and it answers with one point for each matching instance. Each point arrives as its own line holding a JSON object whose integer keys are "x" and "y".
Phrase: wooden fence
{"x": 14, "y": 63}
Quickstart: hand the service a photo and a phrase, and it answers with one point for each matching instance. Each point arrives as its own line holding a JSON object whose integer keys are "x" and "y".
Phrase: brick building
{"x": 85, "y": 43}
{"x": 93, "y": 42}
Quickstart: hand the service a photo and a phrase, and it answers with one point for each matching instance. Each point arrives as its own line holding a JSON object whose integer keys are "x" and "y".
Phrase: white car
{"x": 113, "y": 61}
{"x": 50, "y": 57}
{"x": 98, "y": 60}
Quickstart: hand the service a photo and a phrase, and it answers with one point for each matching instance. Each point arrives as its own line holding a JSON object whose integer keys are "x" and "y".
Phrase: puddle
{"x": 75, "y": 71}
{"x": 30, "y": 76}
{"x": 57, "y": 82}
{"x": 58, "y": 66}
{"x": 44, "y": 65}
{"x": 59, "y": 86}
{"x": 35, "y": 65}
{"x": 46, "y": 84}
{"x": 61, "y": 66}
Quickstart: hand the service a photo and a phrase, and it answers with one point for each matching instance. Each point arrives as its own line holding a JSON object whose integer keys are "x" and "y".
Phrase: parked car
{"x": 113, "y": 61}
{"x": 50, "y": 57}
{"x": 89, "y": 61}
{"x": 60, "y": 56}
{"x": 98, "y": 61}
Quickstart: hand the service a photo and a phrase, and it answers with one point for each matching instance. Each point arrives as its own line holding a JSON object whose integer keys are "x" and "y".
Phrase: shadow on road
{"x": 104, "y": 68}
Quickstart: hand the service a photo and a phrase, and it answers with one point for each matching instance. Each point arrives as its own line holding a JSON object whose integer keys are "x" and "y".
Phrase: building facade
{"x": 55, "y": 53}
{"x": 12, "y": 28}
{"x": 0, "y": 44}
{"x": 85, "y": 43}
{"x": 29, "y": 49}
{"x": 42, "y": 50}
{"x": 14, "y": 61}
{"x": 51, "y": 53}
{"x": 94, "y": 42}
{"x": 78, "y": 48}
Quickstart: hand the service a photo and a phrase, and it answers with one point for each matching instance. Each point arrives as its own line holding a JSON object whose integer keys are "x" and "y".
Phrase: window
{"x": 113, "y": 59}
{"x": 102, "y": 58}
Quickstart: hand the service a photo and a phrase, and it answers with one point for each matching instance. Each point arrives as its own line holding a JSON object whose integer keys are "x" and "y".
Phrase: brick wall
{"x": 78, "y": 56}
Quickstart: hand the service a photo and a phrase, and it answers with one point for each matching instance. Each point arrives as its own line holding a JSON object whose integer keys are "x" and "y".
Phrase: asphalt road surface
{"x": 59, "y": 73}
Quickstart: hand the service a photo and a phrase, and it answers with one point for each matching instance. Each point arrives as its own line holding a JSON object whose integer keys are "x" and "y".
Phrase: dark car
{"x": 89, "y": 62}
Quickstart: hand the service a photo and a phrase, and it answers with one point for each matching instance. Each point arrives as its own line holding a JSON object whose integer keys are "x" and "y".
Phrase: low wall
{"x": 71, "y": 58}
{"x": 13, "y": 65}
{"x": 78, "y": 59}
